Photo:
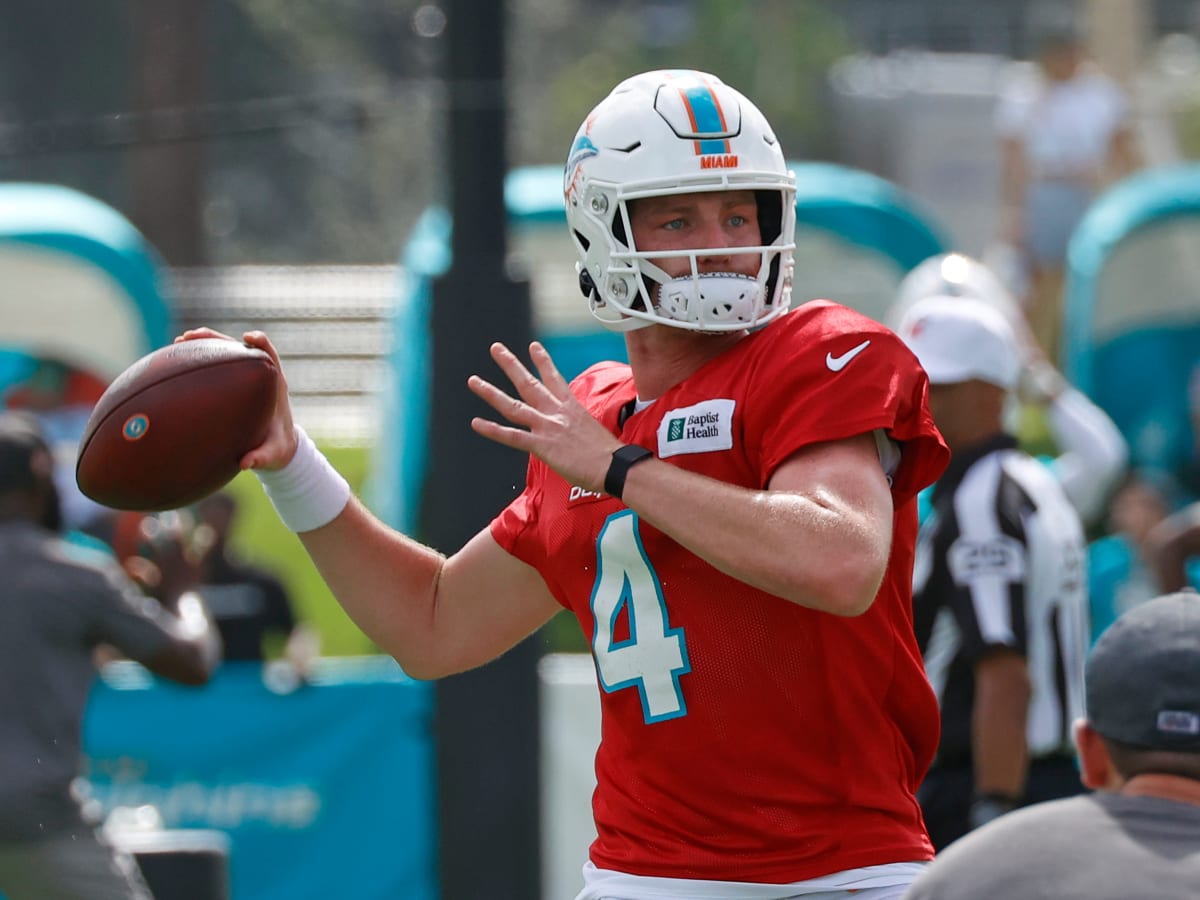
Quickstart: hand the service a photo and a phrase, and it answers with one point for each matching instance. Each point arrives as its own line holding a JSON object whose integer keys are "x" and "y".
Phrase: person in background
{"x": 58, "y": 607}
{"x": 1121, "y": 564}
{"x": 251, "y": 606}
{"x": 1065, "y": 133}
{"x": 159, "y": 551}
{"x": 1174, "y": 549}
{"x": 1188, "y": 476}
{"x": 1091, "y": 455}
{"x": 1137, "y": 834}
{"x": 730, "y": 517}
{"x": 999, "y": 584}
{"x": 61, "y": 397}
{"x": 1153, "y": 541}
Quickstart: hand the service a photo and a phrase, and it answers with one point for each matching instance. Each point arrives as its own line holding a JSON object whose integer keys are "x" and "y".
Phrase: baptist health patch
{"x": 701, "y": 428}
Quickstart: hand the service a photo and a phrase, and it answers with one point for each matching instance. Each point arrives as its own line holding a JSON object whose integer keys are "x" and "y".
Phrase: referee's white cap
{"x": 962, "y": 339}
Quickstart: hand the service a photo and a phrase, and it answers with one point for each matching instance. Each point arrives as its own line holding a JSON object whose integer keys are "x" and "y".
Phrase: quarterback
{"x": 731, "y": 518}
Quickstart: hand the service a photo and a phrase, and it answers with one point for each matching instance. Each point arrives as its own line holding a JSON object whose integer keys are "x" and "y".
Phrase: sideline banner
{"x": 325, "y": 789}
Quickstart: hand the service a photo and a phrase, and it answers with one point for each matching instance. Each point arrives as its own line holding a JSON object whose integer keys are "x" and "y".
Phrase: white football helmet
{"x": 953, "y": 275}
{"x": 677, "y": 132}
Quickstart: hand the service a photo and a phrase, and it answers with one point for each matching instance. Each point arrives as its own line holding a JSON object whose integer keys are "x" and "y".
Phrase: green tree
{"x": 775, "y": 51}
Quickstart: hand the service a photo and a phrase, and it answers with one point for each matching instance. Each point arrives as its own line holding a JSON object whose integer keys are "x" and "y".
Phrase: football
{"x": 173, "y": 427}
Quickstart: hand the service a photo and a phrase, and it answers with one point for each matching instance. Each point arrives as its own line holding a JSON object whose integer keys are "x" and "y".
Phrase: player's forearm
{"x": 436, "y": 615}
{"x": 1093, "y": 452}
{"x": 999, "y": 748}
{"x": 816, "y": 551}
{"x": 385, "y": 581}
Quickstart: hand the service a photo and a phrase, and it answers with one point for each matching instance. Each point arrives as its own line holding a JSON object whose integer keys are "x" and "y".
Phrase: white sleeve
{"x": 1093, "y": 453}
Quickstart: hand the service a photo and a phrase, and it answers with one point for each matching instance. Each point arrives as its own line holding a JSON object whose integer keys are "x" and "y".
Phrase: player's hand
{"x": 551, "y": 422}
{"x": 277, "y": 450}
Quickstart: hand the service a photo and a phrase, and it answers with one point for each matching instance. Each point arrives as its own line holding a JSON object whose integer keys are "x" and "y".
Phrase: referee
{"x": 999, "y": 585}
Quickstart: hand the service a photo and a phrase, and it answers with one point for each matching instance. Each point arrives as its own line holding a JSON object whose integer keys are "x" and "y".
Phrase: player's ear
{"x": 1095, "y": 765}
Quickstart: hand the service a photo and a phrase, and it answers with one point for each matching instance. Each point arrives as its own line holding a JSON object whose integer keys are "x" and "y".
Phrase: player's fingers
{"x": 505, "y": 404}
{"x": 528, "y": 386}
{"x": 515, "y": 438}
{"x": 548, "y": 371}
{"x": 273, "y": 453}
{"x": 260, "y": 340}
{"x": 193, "y": 334}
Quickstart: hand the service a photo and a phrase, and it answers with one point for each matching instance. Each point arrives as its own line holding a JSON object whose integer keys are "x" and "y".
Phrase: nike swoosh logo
{"x": 837, "y": 363}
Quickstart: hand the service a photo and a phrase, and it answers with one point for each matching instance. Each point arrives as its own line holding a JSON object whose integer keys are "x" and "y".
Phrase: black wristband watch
{"x": 623, "y": 459}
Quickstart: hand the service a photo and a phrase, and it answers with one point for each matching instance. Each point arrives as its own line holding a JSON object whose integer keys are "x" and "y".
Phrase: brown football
{"x": 173, "y": 427}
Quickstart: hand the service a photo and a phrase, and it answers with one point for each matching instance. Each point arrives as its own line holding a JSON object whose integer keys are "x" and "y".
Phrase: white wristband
{"x": 308, "y": 492}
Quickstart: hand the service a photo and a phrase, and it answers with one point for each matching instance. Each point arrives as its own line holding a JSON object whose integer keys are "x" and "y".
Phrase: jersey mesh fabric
{"x": 800, "y": 736}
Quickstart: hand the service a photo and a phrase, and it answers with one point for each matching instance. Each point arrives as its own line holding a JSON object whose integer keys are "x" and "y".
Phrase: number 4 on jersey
{"x": 654, "y": 655}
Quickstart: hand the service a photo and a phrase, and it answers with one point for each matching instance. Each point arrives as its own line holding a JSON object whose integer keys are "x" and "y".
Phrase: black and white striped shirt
{"x": 1000, "y": 562}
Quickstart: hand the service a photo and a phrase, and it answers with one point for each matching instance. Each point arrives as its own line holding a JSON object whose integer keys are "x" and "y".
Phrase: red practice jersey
{"x": 745, "y": 738}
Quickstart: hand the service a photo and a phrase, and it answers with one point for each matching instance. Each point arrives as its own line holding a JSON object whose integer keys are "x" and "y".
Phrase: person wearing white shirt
{"x": 1065, "y": 133}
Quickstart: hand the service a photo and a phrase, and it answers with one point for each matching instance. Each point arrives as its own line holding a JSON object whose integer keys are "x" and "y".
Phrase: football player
{"x": 730, "y": 517}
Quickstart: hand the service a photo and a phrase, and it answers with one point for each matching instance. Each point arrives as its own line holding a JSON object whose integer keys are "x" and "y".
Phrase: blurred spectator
{"x": 999, "y": 584}
{"x": 1121, "y": 564}
{"x": 57, "y": 610}
{"x": 1153, "y": 540}
{"x": 1139, "y": 749}
{"x": 1173, "y": 549}
{"x": 61, "y": 398}
{"x": 1065, "y": 133}
{"x": 1194, "y": 407}
{"x": 1189, "y": 478}
{"x": 251, "y": 605}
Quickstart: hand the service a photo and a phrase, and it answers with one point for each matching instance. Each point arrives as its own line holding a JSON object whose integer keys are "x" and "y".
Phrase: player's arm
{"x": 1123, "y": 155}
{"x": 180, "y": 643}
{"x": 436, "y": 615}
{"x": 819, "y": 536}
{"x": 1092, "y": 452}
{"x": 999, "y": 751}
{"x": 193, "y": 649}
{"x": 1014, "y": 179}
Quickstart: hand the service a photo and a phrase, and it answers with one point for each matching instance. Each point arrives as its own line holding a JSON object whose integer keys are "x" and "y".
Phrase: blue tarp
{"x": 326, "y": 791}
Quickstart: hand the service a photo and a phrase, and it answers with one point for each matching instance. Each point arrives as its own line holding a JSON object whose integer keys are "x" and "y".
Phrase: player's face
{"x": 717, "y": 220}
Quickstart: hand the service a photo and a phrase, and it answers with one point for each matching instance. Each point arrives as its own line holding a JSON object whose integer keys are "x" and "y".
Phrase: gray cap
{"x": 1143, "y": 676}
